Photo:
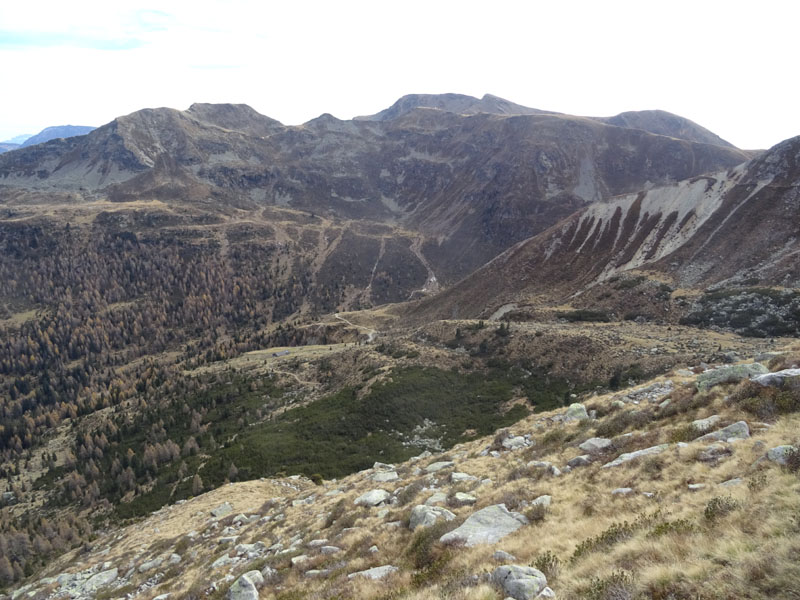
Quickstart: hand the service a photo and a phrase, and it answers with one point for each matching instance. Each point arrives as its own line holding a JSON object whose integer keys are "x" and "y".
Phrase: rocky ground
{"x": 685, "y": 486}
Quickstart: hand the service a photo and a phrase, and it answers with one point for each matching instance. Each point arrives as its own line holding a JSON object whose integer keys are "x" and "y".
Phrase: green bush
{"x": 549, "y": 564}
{"x": 719, "y": 507}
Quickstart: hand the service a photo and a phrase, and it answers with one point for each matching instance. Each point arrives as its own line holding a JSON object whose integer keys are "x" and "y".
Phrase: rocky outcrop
{"x": 425, "y": 516}
{"x": 735, "y": 431}
{"x": 246, "y": 587}
{"x": 729, "y": 374}
{"x": 778, "y": 378}
{"x": 375, "y": 572}
{"x": 629, "y": 456}
{"x": 372, "y": 498}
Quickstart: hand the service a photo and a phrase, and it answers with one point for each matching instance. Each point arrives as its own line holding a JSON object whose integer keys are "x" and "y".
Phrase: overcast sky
{"x": 730, "y": 66}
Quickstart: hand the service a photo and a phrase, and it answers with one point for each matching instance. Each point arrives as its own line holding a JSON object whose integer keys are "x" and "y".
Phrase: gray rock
{"x": 520, "y": 583}
{"x": 576, "y": 412}
{"x": 584, "y": 460}
{"x": 595, "y": 445}
{"x": 486, "y": 526}
{"x": 298, "y": 561}
{"x": 729, "y": 374}
{"x": 713, "y": 453}
{"x": 459, "y": 477}
{"x": 438, "y": 466}
{"x": 622, "y": 491}
{"x": 733, "y": 482}
{"x": 540, "y": 464}
{"x": 101, "y": 579}
{"x": 151, "y": 564}
{"x": 226, "y": 540}
{"x": 515, "y": 442}
{"x": 778, "y": 378}
{"x": 222, "y": 561}
{"x": 735, "y": 431}
{"x": 542, "y": 501}
{"x": 372, "y": 498}
{"x": 318, "y": 543}
{"x": 502, "y": 556}
{"x": 684, "y": 373}
{"x": 246, "y": 587}
{"x": 463, "y": 499}
{"x": 222, "y": 510}
{"x": 437, "y": 498}
{"x": 330, "y": 549}
{"x": 385, "y": 477}
{"x": 268, "y": 573}
{"x": 373, "y": 549}
{"x": 425, "y": 516}
{"x": 628, "y": 456}
{"x": 696, "y": 487}
{"x": 375, "y": 572}
{"x": 780, "y": 454}
{"x": 703, "y": 425}
{"x": 379, "y": 466}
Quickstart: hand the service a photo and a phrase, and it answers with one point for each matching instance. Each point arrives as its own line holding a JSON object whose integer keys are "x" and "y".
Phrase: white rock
{"x": 438, "y": 466}
{"x": 628, "y": 456}
{"x": 372, "y": 498}
{"x": 486, "y": 526}
{"x": 375, "y": 572}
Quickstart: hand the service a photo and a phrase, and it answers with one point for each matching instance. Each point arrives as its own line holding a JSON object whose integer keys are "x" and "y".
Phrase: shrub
{"x": 423, "y": 552}
{"x": 536, "y": 513}
{"x": 548, "y": 563}
{"x": 757, "y": 482}
{"x": 719, "y": 507}
{"x": 617, "y": 586}
{"x": 616, "y": 533}
{"x": 677, "y": 527}
{"x": 620, "y": 422}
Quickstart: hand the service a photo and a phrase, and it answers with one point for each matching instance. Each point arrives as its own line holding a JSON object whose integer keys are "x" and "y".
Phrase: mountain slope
{"x": 471, "y": 184}
{"x": 690, "y": 232}
{"x": 661, "y": 122}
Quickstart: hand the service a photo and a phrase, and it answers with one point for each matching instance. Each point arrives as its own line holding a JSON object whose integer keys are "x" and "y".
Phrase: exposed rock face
{"x": 486, "y": 526}
{"x": 520, "y": 583}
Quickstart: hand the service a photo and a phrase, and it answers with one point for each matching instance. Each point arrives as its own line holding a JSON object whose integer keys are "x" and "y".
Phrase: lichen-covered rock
{"x": 584, "y": 460}
{"x": 440, "y": 465}
{"x": 703, "y": 425}
{"x": 518, "y": 582}
{"x": 222, "y": 510}
{"x": 576, "y": 412}
{"x": 486, "y": 526}
{"x": 729, "y": 374}
{"x": 780, "y": 454}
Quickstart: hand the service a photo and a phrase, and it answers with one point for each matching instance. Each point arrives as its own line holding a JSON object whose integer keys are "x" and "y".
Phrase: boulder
{"x": 713, "y": 453}
{"x": 151, "y": 564}
{"x": 330, "y": 550}
{"x": 696, "y": 487}
{"x": 486, "y": 526}
{"x": 436, "y": 498}
{"x": 542, "y": 501}
{"x": 778, "y": 378}
{"x": 576, "y": 412}
{"x": 503, "y": 556}
{"x": 222, "y": 510}
{"x": 385, "y": 477}
{"x": 298, "y": 561}
{"x": 595, "y": 445}
{"x": 628, "y": 456}
{"x": 515, "y": 442}
{"x": 780, "y": 454}
{"x": 101, "y": 579}
{"x": 425, "y": 516}
{"x": 438, "y": 466}
{"x": 520, "y": 583}
{"x": 460, "y": 477}
{"x": 622, "y": 491}
{"x": 246, "y": 587}
{"x": 372, "y": 498}
{"x": 729, "y": 374}
{"x": 374, "y": 572}
{"x": 463, "y": 499}
{"x": 734, "y": 431}
{"x": 703, "y": 425}
{"x": 584, "y": 460}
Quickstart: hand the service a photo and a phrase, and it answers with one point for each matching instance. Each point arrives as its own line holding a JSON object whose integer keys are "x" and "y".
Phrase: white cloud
{"x": 727, "y": 65}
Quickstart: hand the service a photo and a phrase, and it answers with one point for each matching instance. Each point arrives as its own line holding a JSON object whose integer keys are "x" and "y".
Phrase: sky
{"x": 729, "y": 66}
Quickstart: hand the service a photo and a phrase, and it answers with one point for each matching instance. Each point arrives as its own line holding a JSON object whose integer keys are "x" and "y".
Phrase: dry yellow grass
{"x": 750, "y": 552}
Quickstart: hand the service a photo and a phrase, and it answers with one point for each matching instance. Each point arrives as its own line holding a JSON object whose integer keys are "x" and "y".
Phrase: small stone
{"x": 425, "y": 516}
{"x": 437, "y": 498}
{"x": 502, "y": 556}
{"x": 595, "y": 445}
{"x": 463, "y": 499}
{"x": 584, "y": 460}
{"x": 330, "y": 549}
{"x": 622, "y": 491}
{"x": 372, "y": 498}
{"x": 460, "y": 477}
{"x": 732, "y": 482}
{"x": 696, "y": 487}
{"x": 375, "y": 572}
{"x": 542, "y": 501}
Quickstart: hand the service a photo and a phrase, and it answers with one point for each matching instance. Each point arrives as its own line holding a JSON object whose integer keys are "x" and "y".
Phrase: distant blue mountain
{"x": 18, "y": 139}
{"x": 59, "y": 131}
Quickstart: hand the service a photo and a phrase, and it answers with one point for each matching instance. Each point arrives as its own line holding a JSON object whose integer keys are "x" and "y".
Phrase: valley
{"x": 207, "y": 306}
